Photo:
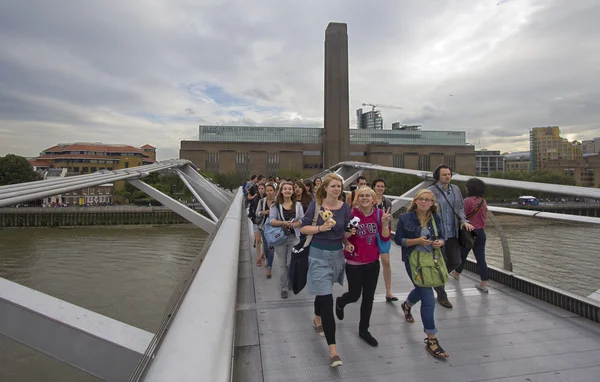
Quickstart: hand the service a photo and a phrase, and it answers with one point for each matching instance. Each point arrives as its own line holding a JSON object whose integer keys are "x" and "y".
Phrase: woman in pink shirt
{"x": 362, "y": 259}
{"x": 476, "y": 212}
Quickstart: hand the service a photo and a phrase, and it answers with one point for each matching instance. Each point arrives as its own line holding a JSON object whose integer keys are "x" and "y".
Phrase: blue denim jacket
{"x": 409, "y": 227}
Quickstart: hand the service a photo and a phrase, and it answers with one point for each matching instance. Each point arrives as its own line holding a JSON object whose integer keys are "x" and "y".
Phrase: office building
{"x": 488, "y": 162}
{"x": 83, "y": 157}
{"x": 370, "y": 120}
{"x": 585, "y": 171}
{"x": 591, "y": 146}
{"x": 545, "y": 143}
{"x": 517, "y": 161}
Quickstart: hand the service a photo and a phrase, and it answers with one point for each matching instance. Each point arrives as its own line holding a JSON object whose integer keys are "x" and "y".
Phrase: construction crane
{"x": 384, "y": 106}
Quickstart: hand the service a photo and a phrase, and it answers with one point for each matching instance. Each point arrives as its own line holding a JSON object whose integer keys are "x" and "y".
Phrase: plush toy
{"x": 328, "y": 217}
{"x": 354, "y": 222}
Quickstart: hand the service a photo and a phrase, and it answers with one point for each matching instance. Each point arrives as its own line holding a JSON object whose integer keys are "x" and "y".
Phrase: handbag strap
{"x": 476, "y": 209}
{"x": 314, "y": 222}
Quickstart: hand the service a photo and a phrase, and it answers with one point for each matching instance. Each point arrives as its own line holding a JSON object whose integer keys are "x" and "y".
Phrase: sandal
{"x": 407, "y": 315}
{"x": 438, "y": 352}
{"x": 268, "y": 273}
{"x": 259, "y": 261}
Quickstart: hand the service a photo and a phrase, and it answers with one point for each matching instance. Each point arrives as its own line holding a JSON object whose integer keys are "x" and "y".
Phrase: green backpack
{"x": 428, "y": 269}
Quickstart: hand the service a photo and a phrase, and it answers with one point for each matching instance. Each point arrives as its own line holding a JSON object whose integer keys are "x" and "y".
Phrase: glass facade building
{"x": 266, "y": 134}
{"x": 310, "y": 135}
{"x": 408, "y": 137}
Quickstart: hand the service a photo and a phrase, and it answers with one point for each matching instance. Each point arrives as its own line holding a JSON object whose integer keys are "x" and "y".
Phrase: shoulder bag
{"x": 274, "y": 235}
{"x": 428, "y": 269}
{"x": 465, "y": 237}
{"x": 298, "y": 271}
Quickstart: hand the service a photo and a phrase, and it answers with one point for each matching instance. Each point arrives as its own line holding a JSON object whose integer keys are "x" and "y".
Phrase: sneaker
{"x": 339, "y": 312}
{"x": 368, "y": 338}
{"x": 335, "y": 361}
{"x": 455, "y": 275}
{"x": 284, "y": 294}
{"x": 482, "y": 289}
{"x": 319, "y": 329}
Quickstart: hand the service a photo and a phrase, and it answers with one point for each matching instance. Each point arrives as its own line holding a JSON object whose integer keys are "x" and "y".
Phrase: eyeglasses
{"x": 424, "y": 200}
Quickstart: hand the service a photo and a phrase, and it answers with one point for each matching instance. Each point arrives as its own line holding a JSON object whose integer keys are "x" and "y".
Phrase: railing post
{"x": 507, "y": 262}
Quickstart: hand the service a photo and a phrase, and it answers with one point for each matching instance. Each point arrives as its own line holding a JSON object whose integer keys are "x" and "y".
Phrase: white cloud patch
{"x": 139, "y": 72}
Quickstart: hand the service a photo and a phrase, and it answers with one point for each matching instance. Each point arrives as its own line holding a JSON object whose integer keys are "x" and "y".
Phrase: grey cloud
{"x": 113, "y": 66}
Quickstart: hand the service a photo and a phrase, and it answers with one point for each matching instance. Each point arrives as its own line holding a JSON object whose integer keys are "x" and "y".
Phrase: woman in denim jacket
{"x": 415, "y": 232}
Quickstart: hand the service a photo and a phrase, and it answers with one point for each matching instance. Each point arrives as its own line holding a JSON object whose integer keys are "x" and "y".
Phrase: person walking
{"x": 384, "y": 204}
{"x": 263, "y": 209}
{"x": 352, "y": 197}
{"x": 326, "y": 255}
{"x": 286, "y": 213}
{"x": 258, "y": 239}
{"x": 362, "y": 260}
{"x": 476, "y": 211}
{"x": 418, "y": 230}
{"x": 450, "y": 204}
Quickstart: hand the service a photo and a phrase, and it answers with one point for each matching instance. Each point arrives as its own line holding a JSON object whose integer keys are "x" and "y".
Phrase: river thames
{"x": 129, "y": 272}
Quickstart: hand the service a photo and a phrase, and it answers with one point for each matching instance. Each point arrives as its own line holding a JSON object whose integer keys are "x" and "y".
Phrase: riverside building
{"x": 268, "y": 150}
{"x": 247, "y": 150}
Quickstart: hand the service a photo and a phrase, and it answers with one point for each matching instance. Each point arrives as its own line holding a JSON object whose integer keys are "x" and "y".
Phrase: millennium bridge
{"x": 225, "y": 322}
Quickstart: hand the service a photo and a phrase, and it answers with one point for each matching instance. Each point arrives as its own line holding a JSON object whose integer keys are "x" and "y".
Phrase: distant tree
{"x": 398, "y": 184}
{"x": 292, "y": 174}
{"x": 16, "y": 169}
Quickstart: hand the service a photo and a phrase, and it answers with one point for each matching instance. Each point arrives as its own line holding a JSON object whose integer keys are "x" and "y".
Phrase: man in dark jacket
{"x": 450, "y": 203}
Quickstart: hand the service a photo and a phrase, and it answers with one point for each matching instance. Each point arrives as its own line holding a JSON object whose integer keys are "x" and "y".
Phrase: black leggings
{"x": 324, "y": 309}
{"x": 361, "y": 278}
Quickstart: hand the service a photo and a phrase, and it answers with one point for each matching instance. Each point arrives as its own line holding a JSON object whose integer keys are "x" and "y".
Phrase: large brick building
{"x": 268, "y": 150}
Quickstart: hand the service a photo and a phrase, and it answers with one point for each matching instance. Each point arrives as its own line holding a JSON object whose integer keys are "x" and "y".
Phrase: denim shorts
{"x": 324, "y": 269}
{"x": 256, "y": 229}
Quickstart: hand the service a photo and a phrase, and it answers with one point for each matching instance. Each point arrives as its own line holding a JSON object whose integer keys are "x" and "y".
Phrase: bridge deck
{"x": 503, "y": 336}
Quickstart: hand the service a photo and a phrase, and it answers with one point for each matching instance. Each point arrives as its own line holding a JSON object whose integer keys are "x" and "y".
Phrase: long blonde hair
{"x": 433, "y": 209}
{"x": 322, "y": 193}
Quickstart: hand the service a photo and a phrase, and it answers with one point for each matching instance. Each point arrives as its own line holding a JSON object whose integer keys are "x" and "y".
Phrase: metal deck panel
{"x": 489, "y": 337}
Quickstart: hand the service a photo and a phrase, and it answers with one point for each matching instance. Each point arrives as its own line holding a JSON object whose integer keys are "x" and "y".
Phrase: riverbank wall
{"x": 87, "y": 216}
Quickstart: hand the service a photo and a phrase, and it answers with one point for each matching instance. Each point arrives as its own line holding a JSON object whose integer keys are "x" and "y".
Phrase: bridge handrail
{"x": 584, "y": 192}
{"x": 199, "y": 344}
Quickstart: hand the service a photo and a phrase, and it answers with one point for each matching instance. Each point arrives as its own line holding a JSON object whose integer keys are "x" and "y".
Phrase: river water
{"x": 129, "y": 273}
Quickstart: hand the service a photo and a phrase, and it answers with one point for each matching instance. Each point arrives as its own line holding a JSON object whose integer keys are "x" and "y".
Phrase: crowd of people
{"x": 350, "y": 235}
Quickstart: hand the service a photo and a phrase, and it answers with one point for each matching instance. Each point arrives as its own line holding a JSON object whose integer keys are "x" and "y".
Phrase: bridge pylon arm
{"x": 96, "y": 344}
{"x": 192, "y": 216}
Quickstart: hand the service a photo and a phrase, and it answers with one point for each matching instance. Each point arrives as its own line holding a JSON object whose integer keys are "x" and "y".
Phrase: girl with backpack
{"x": 420, "y": 233}
{"x": 362, "y": 259}
{"x": 286, "y": 213}
{"x": 476, "y": 211}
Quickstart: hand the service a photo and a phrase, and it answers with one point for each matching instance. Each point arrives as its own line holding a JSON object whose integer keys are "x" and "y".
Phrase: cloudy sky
{"x": 150, "y": 71}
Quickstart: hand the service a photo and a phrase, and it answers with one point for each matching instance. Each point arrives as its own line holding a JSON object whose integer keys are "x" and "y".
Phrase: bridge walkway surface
{"x": 501, "y": 336}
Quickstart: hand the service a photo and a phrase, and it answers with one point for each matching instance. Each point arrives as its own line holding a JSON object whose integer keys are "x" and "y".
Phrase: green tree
{"x": 398, "y": 184}
{"x": 16, "y": 169}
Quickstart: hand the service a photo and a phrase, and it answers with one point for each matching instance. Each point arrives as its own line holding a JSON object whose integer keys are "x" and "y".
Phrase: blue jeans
{"x": 479, "y": 252}
{"x": 425, "y": 295}
{"x": 269, "y": 253}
